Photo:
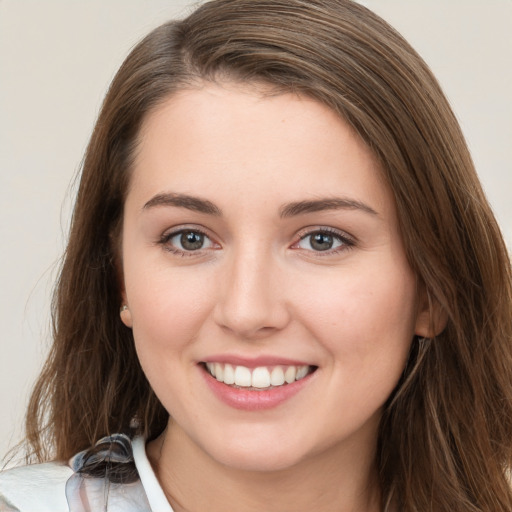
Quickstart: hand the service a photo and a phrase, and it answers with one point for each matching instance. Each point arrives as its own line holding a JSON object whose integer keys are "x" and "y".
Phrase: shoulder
{"x": 38, "y": 487}
{"x": 89, "y": 482}
{"x": 54, "y": 487}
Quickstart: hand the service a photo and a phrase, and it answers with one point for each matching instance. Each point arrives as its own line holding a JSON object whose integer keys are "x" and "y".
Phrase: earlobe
{"x": 126, "y": 316}
{"x": 431, "y": 319}
{"x": 124, "y": 310}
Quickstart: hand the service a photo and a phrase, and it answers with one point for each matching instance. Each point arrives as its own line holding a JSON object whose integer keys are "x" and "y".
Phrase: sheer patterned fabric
{"x": 113, "y": 476}
{"x": 105, "y": 478}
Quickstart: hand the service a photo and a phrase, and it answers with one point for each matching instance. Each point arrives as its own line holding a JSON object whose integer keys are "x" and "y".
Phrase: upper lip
{"x": 254, "y": 362}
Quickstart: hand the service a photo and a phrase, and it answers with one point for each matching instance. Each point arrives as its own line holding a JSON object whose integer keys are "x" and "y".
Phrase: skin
{"x": 259, "y": 286}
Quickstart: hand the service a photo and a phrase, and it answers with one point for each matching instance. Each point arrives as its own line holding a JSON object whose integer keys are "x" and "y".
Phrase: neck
{"x": 334, "y": 481}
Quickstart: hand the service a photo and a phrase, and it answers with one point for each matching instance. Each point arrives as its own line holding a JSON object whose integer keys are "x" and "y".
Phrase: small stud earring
{"x": 124, "y": 307}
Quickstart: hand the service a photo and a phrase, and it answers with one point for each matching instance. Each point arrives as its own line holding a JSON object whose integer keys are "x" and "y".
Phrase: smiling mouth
{"x": 261, "y": 378}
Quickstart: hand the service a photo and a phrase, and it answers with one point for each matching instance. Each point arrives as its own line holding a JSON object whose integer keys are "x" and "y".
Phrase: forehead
{"x": 283, "y": 145}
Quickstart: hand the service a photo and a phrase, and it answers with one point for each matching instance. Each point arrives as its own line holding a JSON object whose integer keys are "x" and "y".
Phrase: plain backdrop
{"x": 57, "y": 58}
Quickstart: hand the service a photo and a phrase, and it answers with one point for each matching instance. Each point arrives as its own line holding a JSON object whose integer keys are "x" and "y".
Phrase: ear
{"x": 124, "y": 311}
{"x": 115, "y": 246}
{"x": 126, "y": 315}
{"x": 431, "y": 318}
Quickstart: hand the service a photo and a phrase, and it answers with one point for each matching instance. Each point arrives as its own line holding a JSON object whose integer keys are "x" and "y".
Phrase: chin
{"x": 259, "y": 461}
{"x": 257, "y": 455}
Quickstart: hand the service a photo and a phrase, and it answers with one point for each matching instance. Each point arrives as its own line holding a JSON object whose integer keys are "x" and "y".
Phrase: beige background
{"x": 56, "y": 60}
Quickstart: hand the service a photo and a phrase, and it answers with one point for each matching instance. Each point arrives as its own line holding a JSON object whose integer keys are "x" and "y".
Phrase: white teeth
{"x": 229, "y": 374}
{"x": 219, "y": 372}
{"x": 277, "y": 376}
{"x": 290, "y": 374}
{"x": 243, "y": 376}
{"x": 302, "y": 371}
{"x": 260, "y": 377}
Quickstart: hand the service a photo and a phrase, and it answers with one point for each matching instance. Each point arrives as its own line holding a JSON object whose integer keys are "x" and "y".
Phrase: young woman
{"x": 283, "y": 289}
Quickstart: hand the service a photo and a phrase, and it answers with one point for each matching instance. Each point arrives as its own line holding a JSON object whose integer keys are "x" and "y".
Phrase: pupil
{"x": 192, "y": 241}
{"x": 321, "y": 242}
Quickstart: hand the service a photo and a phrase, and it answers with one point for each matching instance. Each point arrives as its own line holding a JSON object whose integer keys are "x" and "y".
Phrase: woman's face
{"x": 260, "y": 244}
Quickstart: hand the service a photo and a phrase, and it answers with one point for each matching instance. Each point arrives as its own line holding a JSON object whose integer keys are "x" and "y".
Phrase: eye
{"x": 189, "y": 240}
{"x": 324, "y": 240}
{"x": 186, "y": 241}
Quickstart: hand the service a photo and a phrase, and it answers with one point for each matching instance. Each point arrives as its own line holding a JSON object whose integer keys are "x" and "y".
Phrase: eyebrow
{"x": 195, "y": 204}
{"x": 335, "y": 203}
{"x": 288, "y": 210}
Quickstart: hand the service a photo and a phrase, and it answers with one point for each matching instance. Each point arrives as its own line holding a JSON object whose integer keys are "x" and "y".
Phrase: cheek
{"x": 365, "y": 328}
{"x": 168, "y": 312}
{"x": 366, "y": 317}
{"x": 168, "y": 307}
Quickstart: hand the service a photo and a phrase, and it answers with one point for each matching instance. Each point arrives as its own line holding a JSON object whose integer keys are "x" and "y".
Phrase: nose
{"x": 251, "y": 302}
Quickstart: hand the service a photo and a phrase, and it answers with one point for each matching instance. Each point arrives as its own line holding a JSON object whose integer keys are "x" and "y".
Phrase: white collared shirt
{"x": 55, "y": 487}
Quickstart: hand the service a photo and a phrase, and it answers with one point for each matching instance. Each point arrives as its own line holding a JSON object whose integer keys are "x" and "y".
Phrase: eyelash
{"x": 347, "y": 242}
{"x": 165, "y": 239}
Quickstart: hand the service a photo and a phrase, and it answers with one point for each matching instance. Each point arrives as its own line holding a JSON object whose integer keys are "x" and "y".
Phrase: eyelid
{"x": 348, "y": 240}
{"x": 170, "y": 233}
{"x": 308, "y": 230}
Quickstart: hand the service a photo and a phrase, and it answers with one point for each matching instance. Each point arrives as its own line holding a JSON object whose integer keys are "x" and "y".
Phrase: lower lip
{"x": 250, "y": 400}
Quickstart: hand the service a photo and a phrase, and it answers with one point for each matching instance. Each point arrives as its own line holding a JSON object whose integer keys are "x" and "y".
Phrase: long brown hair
{"x": 446, "y": 434}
